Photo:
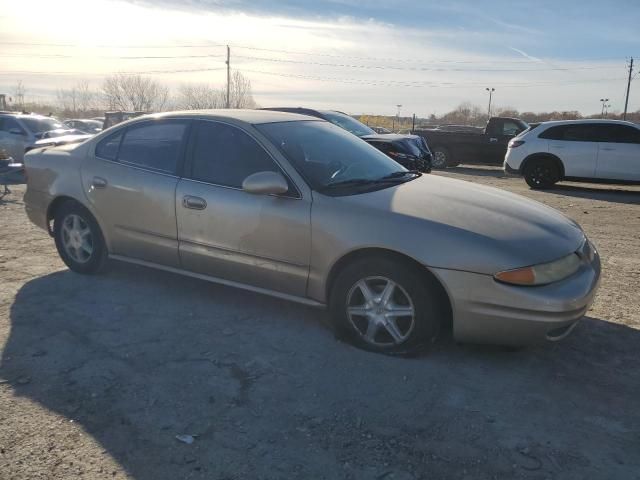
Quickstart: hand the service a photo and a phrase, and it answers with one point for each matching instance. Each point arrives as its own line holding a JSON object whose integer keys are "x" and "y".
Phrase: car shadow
{"x": 494, "y": 171}
{"x": 602, "y": 192}
{"x": 137, "y": 357}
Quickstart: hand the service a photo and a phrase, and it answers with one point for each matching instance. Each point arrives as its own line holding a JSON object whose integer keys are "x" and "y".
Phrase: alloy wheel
{"x": 380, "y": 311}
{"x": 76, "y": 238}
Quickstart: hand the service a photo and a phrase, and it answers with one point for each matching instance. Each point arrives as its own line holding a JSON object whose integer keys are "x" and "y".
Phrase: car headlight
{"x": 542, "y": 274}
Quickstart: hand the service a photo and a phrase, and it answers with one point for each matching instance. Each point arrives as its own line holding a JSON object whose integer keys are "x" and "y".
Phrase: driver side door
{"x": 259, "y": 240}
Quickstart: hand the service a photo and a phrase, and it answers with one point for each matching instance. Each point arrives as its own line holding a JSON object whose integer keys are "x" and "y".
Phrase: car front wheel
{"x": 78, "y": 238}
{"x": 441, "y": 158}
{"x": 385, "y": 306}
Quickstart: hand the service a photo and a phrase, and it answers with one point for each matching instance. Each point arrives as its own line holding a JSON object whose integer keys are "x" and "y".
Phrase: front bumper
{"x": 486, "y": 311}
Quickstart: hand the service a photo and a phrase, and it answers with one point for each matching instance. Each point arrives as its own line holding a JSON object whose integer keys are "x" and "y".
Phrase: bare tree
{"x": 203, "y": 96}
{"x": 200, "y": 97}
{"x": 18, "y": 94}
{"x": 241, "y": 95}
{"x": 134, "y": 92}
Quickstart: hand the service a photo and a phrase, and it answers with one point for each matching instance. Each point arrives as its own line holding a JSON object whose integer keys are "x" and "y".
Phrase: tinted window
{"x": 155, "y": 146}
{"x": 572, "y": 133}
{"x": 617, "y": 133}
{"x": 108, "y": 148}
{"x": 225, "y": 155}
{"x": 9, "y": 123}
{"x": 41, "y": 124}
{"x": 350, "y": 124}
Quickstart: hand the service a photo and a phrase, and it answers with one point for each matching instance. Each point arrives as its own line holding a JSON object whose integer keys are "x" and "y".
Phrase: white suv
{"x": 584, "y": 150}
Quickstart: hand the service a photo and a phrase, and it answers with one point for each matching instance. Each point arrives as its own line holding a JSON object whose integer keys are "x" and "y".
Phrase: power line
{"x": 142, "y": 72}
{"x": 115, "y": 57}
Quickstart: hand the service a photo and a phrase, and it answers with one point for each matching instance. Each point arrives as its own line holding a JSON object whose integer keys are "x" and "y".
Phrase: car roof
{"x": 254, "y": 117}
{"x": 587, "y": 121}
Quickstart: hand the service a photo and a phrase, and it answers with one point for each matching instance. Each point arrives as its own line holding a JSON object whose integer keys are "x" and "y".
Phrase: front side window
{"x": 7, "y": 124}
{"x": 108, "y": 148}
{"x": 225, "y": 155}
{"x": 153, "y": 145}
{"x": 510, "y": 128}
{"x": 570, "y": 133}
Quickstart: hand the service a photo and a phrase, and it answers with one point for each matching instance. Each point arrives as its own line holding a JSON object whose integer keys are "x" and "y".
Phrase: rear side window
{"x": 225, "y": 155}
{"x": 570, "y": 133}
{"x": 156, "y": 146}
{"x": 108, "y": 148}
{"x": 617, "y": 133}
{"x": 510, "y": 128}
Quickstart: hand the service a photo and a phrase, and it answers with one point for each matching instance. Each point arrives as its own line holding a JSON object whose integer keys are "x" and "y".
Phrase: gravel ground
{"x": 99, "y": 375}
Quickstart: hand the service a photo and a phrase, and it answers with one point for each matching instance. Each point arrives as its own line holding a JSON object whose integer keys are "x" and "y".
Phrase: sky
{"x": 358, "y": 56}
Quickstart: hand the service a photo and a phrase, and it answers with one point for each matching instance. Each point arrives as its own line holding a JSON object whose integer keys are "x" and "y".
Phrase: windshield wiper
{"x": 401, "y": 174}
{"x": 352, "y": 182}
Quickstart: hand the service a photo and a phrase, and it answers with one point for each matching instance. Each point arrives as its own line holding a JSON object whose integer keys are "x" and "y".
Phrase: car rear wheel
{"x": 79, "y": 239}
{"x": 385, "y": 306}
{"x": 441, "y": 158}
{"x": 541, "y": 173}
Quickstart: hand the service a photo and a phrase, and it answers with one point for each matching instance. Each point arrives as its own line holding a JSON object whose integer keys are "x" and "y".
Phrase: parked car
{"x": 298, "y": 208}
{"x": 20, "y": 132}
{"x": 582, "y": 150}
{"x": 84, "y": 125}
{"x": 381, "y": 130}
{"x": 484, "y": 146}
{"x": 410, "y": 151}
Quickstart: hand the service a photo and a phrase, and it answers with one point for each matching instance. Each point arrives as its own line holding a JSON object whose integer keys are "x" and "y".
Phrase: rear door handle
{"x": 194, "y": 203}
{"x": 99, "y": 182}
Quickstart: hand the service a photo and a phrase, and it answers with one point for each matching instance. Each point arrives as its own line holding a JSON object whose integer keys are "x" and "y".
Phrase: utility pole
{"x": 626, "y": 101}
{"x": 413, "y": 124}
{"x": 228, "y": 76}
{"x": 490, "y": 90}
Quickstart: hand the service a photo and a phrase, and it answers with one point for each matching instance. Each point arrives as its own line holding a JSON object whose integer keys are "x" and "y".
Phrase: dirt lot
{"x": 99, "y": 374}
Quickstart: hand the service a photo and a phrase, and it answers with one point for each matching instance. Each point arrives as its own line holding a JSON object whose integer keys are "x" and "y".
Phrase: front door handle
{"x": 98, "y": 182}
{"x": 194, "y": 203}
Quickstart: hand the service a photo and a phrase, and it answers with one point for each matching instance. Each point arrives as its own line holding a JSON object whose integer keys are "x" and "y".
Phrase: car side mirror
{"x": 265, "y": 183}
{"x": 16, "y": 131}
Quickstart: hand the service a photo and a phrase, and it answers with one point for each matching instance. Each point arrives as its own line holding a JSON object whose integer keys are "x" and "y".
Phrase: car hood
{"x": 62, "y": 140}
{"x": 456, "y": 224}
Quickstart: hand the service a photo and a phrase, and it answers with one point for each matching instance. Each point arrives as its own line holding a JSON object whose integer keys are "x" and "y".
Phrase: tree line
{"x": 469, "y": 114}
{"x": 123, "y": 92}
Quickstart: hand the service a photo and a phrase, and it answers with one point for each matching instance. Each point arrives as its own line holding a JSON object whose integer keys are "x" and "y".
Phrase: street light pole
{"x": 604, "y": 106}
{"x": 490, "y": 90}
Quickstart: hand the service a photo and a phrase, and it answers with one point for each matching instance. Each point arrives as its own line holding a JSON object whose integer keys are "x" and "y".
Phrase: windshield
{"x": 348, "y": 123}
{"x": 327, "y": 155}
{"x": 41, "y": 124}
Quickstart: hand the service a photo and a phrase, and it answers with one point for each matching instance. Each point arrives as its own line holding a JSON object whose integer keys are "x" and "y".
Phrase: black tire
{"x": 441, "y": 158}
{"x": 95, "y": 261}
{"x": 421, "y": 329}
{"x": 541, "y": 173}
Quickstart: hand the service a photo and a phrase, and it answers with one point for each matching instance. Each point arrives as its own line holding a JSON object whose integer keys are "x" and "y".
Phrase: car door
{"x": 496, "y": 142}
{"x": 576, "y": 146}
{"x": 618, "y": 152}
{"x": 13, "y": 138}
{"x": 225, "y": 232}
{"x": 130, "y": 180}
